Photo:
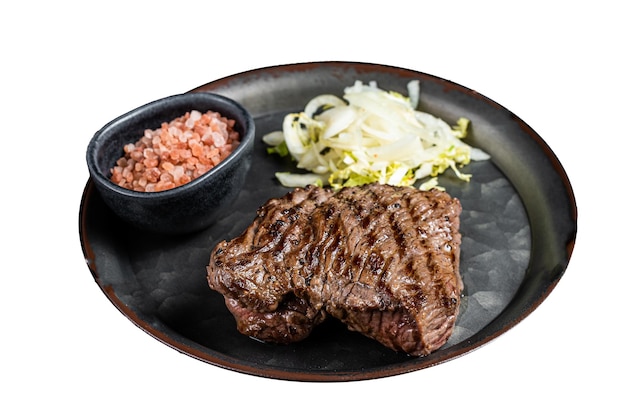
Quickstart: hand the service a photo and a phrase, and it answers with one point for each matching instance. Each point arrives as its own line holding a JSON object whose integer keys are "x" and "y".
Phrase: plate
{"x": 518, "y": 225}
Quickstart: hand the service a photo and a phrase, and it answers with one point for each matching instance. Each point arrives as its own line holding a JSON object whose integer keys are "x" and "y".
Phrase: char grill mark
{"x": 382, "y": 259}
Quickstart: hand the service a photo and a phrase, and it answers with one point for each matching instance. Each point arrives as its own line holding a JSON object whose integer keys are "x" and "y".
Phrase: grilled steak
{"x": 384, "y": 260}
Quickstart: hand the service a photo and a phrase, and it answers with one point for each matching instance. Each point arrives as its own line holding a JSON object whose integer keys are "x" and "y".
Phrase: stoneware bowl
{"x": 187, "y": 208}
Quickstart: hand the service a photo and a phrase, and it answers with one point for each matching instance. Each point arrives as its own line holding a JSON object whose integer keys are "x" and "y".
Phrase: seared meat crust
{"x": 384, "y": 260}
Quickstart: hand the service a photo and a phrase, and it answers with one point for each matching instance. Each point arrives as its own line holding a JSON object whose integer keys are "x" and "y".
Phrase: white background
{"x": 68, "y": 68}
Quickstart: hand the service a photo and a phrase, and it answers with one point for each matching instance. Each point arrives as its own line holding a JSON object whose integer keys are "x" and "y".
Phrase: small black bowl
{"x": 187, "y": 208}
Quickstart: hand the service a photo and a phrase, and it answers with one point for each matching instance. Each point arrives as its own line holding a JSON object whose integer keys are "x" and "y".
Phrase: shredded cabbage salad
{"x": 370, "y": 135}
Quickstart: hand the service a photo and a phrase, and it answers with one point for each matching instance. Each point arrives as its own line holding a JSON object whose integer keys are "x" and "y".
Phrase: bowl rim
{"x": 247, "y": 137}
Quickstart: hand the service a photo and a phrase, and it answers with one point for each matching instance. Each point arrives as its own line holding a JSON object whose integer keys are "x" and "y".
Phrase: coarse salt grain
{"x": 176, "y": 153}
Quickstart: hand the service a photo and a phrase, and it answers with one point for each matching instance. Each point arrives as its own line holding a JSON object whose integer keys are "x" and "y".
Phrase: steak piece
{"x": 382, "y": 259}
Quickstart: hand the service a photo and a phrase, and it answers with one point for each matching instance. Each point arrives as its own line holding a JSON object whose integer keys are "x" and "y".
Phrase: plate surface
{"x": 518, "y": 225}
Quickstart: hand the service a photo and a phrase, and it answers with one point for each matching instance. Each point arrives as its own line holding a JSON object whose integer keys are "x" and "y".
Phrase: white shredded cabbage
{"x": 370, "y": 135}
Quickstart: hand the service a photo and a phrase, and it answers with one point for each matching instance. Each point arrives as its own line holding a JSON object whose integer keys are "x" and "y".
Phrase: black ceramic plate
{"x": 518, "y": 225}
